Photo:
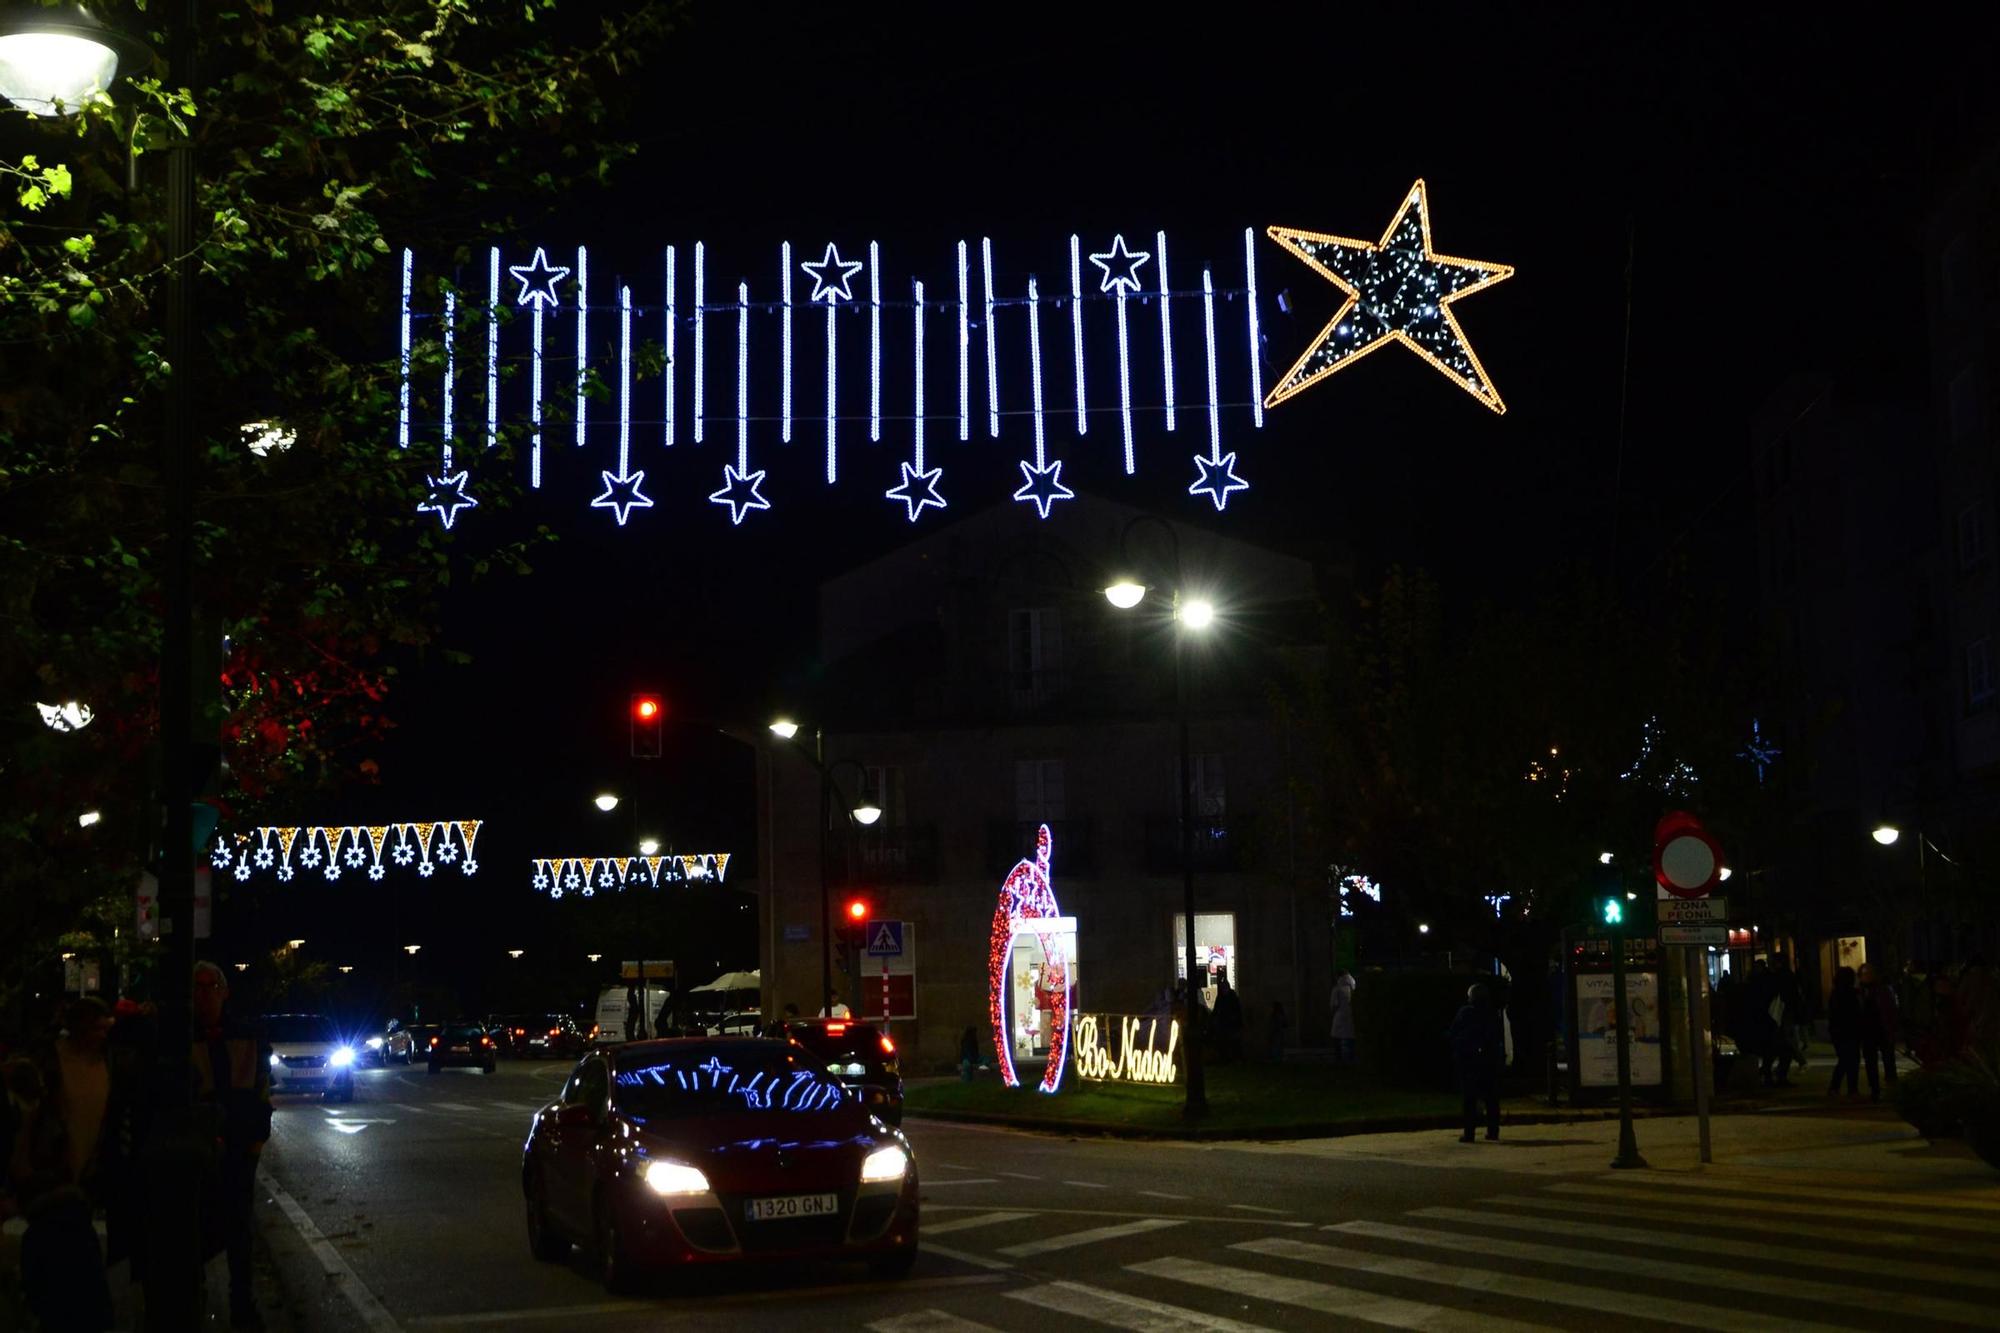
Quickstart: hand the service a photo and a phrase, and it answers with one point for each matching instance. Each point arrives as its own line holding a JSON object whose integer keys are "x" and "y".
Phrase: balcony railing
{"x": 1072, "y": 846}
{"x": 899, "y": 853}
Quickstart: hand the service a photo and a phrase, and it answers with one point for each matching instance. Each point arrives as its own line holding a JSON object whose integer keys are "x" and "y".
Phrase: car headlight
{"x": 888, "y": 1163}
{"x": 673, "y": 1178}
{"x": 342, "y": 1057}
{"x": 277, "y": 1061}
{"x": 374, "y": 1043}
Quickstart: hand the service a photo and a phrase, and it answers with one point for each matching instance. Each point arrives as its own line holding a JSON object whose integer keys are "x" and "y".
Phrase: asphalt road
{"x": 408, "y": 1200}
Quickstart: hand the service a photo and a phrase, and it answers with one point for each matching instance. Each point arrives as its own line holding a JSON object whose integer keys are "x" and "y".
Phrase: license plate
{"x": 461, "y": 1050}
{"x": 792, "y": 1205}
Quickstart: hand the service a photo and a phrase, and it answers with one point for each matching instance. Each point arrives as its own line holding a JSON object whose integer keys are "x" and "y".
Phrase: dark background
{"x": 1746, "y": 187}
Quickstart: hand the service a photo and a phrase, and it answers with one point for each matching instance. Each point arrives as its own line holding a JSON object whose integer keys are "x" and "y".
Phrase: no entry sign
{"x": 1687, "y": 862}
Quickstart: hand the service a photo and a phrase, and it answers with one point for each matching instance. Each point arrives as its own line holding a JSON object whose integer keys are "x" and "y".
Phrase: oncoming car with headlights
{"x": 685, "y": 1152}
{"x": 308, "y": 1055}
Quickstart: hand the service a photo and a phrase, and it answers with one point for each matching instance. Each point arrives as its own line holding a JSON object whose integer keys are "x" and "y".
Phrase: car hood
{"x": 305, "y": 1047}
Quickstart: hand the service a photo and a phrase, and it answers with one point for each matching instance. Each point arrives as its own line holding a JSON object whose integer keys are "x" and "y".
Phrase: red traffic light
{"x": 648, "y": 712}
{"x": 645, "y": 707}
{"x": 857, "y": 910}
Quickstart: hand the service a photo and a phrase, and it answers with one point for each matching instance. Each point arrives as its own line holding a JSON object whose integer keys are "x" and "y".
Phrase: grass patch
{"x": 1241, "y": 1097}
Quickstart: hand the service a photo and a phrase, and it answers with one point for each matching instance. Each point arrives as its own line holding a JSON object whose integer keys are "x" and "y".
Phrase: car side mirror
{"x": 576, "y": 1117}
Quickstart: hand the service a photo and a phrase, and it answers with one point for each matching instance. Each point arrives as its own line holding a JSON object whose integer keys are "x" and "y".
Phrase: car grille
{"x": 705, "y": 1228}
{"x": 873, "y": 1213}
{"x": 303, "y": 1061}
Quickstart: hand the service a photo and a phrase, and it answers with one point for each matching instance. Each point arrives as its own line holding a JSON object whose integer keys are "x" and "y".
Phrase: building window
{"x": 1038, "y": 791}
{"x": 1974, "y": 539}
{"x": 1978, "y": 675}
{"x": 1206, "y": 791}
{"x": 1034, "y": 655}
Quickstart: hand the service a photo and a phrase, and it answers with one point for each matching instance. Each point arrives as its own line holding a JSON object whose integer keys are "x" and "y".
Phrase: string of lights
{"x": 587, "y": 876}
{"x": 333, "y": 849}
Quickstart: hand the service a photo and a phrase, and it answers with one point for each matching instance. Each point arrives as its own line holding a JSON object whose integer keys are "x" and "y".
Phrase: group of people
{"x": 1766, "y": 1014}
{"x": 75, "y": 1136}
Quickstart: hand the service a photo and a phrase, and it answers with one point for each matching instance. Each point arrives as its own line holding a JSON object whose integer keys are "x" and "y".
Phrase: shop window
{"x": 1214, "y": 951}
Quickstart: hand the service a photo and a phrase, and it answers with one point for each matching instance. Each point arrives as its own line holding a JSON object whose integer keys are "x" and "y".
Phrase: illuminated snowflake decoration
{"x": 309, "y": 858}
{"x": 425, "y": 869}
{"x": 220, "y": 857}
{"x": 355, "y": 857}
{"x": 404, "y": 854}
{"x": 471, "y": 867}
{"x": 375, "y": 872}
{"x": 263, "y": 858}
{"x": 571, "y": 880}
{"x": 332, "y": 871}
{"x": 285, "y": 873}
{"x": 447, "y": 853}
{"x": 541, "y": 880}
{"x": 242, "y": 870}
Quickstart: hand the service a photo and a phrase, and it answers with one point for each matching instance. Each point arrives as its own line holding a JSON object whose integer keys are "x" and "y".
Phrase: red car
{"x": 684, "y": 1152}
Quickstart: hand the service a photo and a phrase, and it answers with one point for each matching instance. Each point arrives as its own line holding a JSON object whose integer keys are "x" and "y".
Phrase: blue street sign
{"x": 796, "y": 935}
{"x": 885, "y": 939}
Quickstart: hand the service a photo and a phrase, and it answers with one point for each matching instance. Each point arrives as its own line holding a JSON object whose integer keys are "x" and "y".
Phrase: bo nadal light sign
{"x": 1120, "y": 309}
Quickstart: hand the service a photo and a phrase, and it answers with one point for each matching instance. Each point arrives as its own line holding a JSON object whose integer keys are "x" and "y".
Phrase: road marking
{"x": 1625, "y": 1304}
{"x": 1129, "y": 1312}
{"x": 405, "y": 1106}
{"x": 1368, "y": 1307}
{"x": 1161, "y": 1194}
{"x": 1656, "y": 1238}
{"x": 1215, "y": 1218}
{"x": 1863, "y": 1232}
{"x": 369, "y": 1310}
{"x": 928, "y": 1321}
{"x": 1016, "y": 1175}
{"x": 578, "y": 1313}
{"x": 946, "y": 1184}
{"x": 1071, "y": 1239}
{"x": 453, "y": 1106}
{"x": 1872, "y": 1198}
{"x": 353, "y": 1127}
{"x": 1880, "y": 1216}
{"x": 965, "y": 1256}
{"x": 967, "y": 1223}
{"x": 1085, "y": 1185}
{"x": 1899, "y": 1302}
{"x": 954, "y": 1166}
{"x": 1253, "y": 1208}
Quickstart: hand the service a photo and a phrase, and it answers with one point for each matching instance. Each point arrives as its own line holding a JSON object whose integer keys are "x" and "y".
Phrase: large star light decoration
{"x": 447, "y": 496}
{"x": 1218, "y": 479}
{"x": 739, "y": 491}
{"x": 538, "y": 280}
{"x": 918, "y": 488}
{"x": 1043, "y": 486}
{"x": 622, "y": 495}
{"x": 831, "y": 275}
{"x": 1125, "y": 262}
{"x": 1398, "y": 290}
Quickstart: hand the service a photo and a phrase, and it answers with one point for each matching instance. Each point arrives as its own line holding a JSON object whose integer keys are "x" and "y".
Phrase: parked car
{"x": 747, "y": 1024}
{"x": 421, "y": 1035}
{"x": 462, "y": 1045}
{"x": 546, "y": 1036}
{"x": 307, "y": 1055}
{"x": 859, "y": 1055}
{"x": 694, "y": 1151}
{"x": 393, "y": 1044}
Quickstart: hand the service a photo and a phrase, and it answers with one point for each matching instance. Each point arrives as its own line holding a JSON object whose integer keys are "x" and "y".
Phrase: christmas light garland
{"x": 587, "y": 876}
{"x": 332, "y": 849}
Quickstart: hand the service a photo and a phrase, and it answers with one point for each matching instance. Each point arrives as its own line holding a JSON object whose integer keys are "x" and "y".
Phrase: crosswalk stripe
{"x": 405, "y": 1106}
{"x": 1879, "y": 1216}
{"x": 1862, "y": 1232}
{"x": 967, "y": 1223}
{"x": 1673, "y": 1270}
{"x": 965, "y": 1256}
{"x": 1990, "y": 1203}
{"x": 1623, "y": 1304}
{"x": 1368, "y": 1307}
{"x": 1070, "y": 1240}
{"x": 1118, "y": 1310}
{"x": 928, "y": 1321}
{"x": 453, "y": 1106}
{"x": 961, "y": 1180}
{"x": 1729, "y": 1247}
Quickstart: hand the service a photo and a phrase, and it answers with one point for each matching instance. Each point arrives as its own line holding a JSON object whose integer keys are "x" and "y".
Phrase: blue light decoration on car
{"x": 757, "y": 1090}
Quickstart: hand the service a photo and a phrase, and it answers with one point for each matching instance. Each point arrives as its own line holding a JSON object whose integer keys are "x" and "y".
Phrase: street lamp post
{"x": 1187, "y": 614}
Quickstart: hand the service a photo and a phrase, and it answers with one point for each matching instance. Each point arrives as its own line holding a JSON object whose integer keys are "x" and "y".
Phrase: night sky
{"x": 1769, "y": 175}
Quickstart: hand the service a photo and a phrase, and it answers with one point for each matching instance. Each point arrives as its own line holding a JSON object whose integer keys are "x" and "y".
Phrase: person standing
{"x": 1767, "y": 1023}
{"x": 1228, "y": 1019}
{"x": 1343, "y": 1017}
{"x": 1478, "y": 1047}
{"x": 1843, "y": 1022}
{"x": 1791, "y": 1049}
{"x": 233, "y": 1085}
{"x": 1878, "y": 1030}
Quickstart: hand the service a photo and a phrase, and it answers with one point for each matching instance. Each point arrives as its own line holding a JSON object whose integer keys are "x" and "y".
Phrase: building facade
{"x": 977, "y": 687}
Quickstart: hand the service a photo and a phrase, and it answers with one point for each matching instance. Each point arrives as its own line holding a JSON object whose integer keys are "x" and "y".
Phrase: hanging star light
{"x": 1125, "y": 262}
{"x": 832, "y": 275}
{"x": 622, "y": 495}
{"x": 1398, "y": 290}
{"x": 1218, "y": 479}
{"x": 538, "y": 281}
{"x": 447, "y": 496}
{"x": 1760, "y": 752}
{"x": 918, "y": 488}
{"x": 1043, "y": 485}
{"x": 739, "y": 492}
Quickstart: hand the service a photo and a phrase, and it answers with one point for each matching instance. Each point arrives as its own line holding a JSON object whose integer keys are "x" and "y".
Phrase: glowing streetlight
{"x": 264, "y": 438}
{"x": 1604, "y": 858}
{"x": 515, "y": 953}
{"x": 345, "y": 968}
{"x": 606, "y": 802}
{"x": 243, "y": 967}
{"x": 593, "y": 957}
{"x": 1125, "y": 594}
{"x": 649, "y": 847}
{"x": 1423, "y": 928}
{"x": 1198, "y": 613}
{"x": 1725, "y": 872}
{"x": 54, "y": 60}
{"x": 867, "y": 814}
{"x": 784, "y": 728}
{"x": 295, "y": 945}
{"x": 1886, "y": 834}
{"x": 70, "y": 715}
{"x": 411, "y": 949}
{"x": 89, "y": 817}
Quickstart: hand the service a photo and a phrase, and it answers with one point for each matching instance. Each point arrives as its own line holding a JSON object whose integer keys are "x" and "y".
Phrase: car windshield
{"x": 297, "y": 1027}
{"x": 706, "y": 1080}
{"x": 848, "y": 1042}
{"x": 464, "y": 1032}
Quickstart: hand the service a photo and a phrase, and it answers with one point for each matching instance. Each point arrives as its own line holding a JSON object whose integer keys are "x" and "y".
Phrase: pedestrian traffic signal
{"x": 648, "y": 713}
{"x": 1611, "y": 911}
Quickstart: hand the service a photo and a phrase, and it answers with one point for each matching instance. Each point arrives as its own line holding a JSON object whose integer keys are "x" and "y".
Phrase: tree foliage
{"x": 326, "y": 139}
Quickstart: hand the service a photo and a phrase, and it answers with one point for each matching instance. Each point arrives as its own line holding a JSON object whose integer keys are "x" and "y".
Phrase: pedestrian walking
{"x": 1879, "y": 1015}
{"x": 233, "y": 1086}
{"x": 1767, "y": 1021}
{"x": 1478, "y": 1049}
{"x": 1228, "y": 1019}
{"x": 1343, "y": 1018}
{"x": 1791, "y": 1023}
{"x": 1843, "y": 1022}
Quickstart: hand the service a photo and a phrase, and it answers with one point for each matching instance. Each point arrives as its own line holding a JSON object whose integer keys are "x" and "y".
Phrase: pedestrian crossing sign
{"x": 885, "y": 939}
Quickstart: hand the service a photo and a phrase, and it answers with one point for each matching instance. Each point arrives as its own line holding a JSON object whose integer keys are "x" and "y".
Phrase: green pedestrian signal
{"x": 1613, "y": 912}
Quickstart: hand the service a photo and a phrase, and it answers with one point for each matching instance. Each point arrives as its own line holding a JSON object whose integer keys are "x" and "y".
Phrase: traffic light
{"x": 648, "y": 713}
{"x": 1611, "y": 911}
{"x": 854, "y": 921}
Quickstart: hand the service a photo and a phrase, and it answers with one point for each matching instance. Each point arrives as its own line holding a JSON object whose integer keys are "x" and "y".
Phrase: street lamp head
{"x": 1198, "y": 613}
{"x": 515, "y": 953}
{"x": 411, "y": 949}
{"x": 649, "y": 847}
{"x": 243, "y": 967}
{"x": 345, "y": 968}
{"x": 53, "y": 60}
{"x": 1125, "y": 594}
{"x": 1886, "y": 834}
{"x": 784, "y": 728}
{"x": 1423, "y": 927}
{"x": 593, "y": 957}
{"x": 867, "y": 814}
{"x": 89, "y": 817}
{"x": 295, "y": 944}
{"x": 1604, "y": 858}
{"x": 1724, "y": 873}
{"x": 607, "y": 802}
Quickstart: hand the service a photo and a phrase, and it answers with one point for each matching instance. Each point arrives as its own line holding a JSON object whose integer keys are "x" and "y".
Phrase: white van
{"x": 610, "y": 1014}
